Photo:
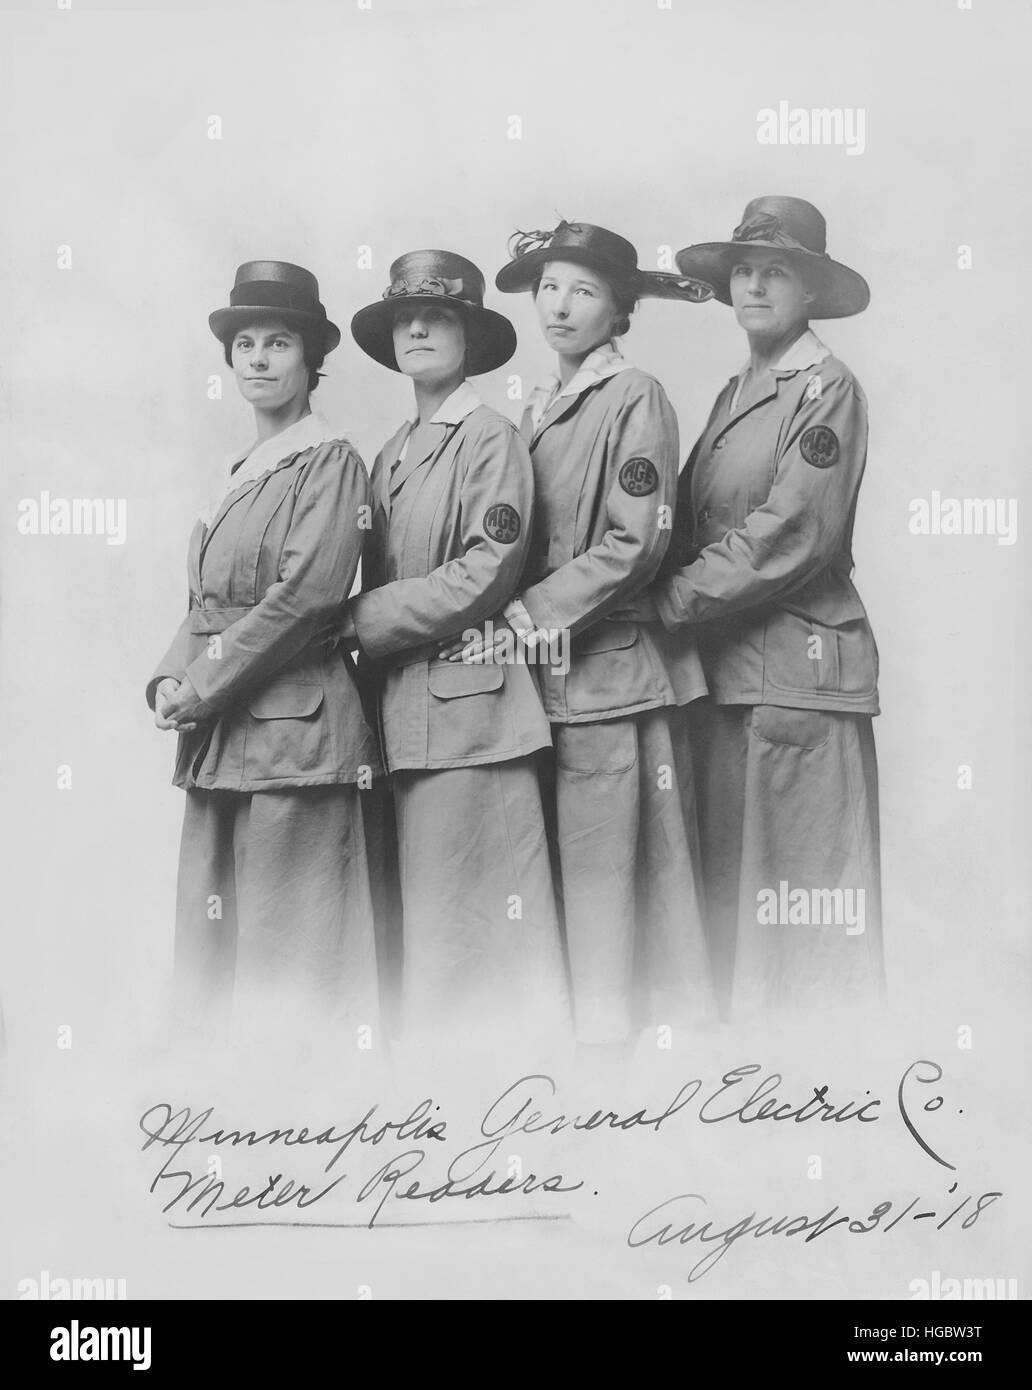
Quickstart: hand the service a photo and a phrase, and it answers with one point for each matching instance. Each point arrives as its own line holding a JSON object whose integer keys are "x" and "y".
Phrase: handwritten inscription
{"x": 745, "y": 1095}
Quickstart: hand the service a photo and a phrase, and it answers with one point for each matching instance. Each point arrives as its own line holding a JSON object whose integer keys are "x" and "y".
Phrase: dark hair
{"x": 624, "y": 295}
{"x": 311, "y": 346}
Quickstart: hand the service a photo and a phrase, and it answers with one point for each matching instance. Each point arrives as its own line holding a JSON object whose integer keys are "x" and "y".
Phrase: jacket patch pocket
{"x": 606, "y": 636}
{"x": 286, "y": 737}
{"x": 468, "y": 715}
{"x": 286, "y": 700}
{"x": 452, "y": 679}
{"x": 608, "y": 747}
{"x": 791, "y": 728}
{"x": 857, "y": 658}
{"x": 796, "y": 658}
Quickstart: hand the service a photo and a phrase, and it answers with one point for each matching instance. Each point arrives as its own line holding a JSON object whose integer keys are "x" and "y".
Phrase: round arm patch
{"x": 819, "y": 446}
{"x": 502, "y": 523}
{"x": 638, "y": 477}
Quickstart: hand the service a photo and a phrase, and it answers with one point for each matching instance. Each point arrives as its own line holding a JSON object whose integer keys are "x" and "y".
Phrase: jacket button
{"x": 702, "y": 517}
{"x": 720, "y": 443}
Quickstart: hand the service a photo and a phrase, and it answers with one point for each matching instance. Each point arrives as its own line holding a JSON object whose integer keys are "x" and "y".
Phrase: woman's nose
{"x": 417, "y": 328}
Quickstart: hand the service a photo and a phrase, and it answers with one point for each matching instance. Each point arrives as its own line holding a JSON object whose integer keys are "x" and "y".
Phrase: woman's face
{"x": 768, "y": 295}
{"x": 576, "y": 308}
{"x": 429, "y": 342}
{"x": 269, "y": 362}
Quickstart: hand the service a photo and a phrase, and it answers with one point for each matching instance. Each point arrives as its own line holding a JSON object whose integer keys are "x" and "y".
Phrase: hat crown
{"x": 436, "y": 272}
{"x": 276, "y": 285}
{"x": 588, "y": 237}
{"x": 613, "y": 252}
{"x": 264, "y": 290}
{"x": 783, "y": 221}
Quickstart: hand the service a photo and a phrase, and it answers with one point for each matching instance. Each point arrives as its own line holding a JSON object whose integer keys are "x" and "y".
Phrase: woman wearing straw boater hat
{"x": 453, "y": 494}
{"x": 783, "y": 745}
{"x": 273, "y": 746}
{"x": 603, "y": 439}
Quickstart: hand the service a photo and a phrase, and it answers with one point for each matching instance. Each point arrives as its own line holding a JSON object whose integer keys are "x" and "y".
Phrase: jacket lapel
{"x": 561, "y": 407}
{"x": 229, "y": 501}
{"x": 404, "y": 470}
{"x": 388, "y": 458}
{"x": 193, "y": 559}
{"x": 740, "y": 411}
{"x": 232, "y": 498}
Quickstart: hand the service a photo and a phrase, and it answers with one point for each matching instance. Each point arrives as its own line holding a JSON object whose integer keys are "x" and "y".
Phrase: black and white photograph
{"x": 514, "y": 608}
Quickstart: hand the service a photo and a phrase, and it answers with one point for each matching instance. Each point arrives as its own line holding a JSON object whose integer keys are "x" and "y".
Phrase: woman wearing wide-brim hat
{"x": 783, "y": 745}
{"x": 274, "y": 899}
{"x": 603, "y": 439}
{"x": 453, "y": 497}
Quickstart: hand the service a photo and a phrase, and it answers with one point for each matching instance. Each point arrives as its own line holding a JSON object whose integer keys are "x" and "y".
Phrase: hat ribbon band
{"x": 764, "y": 226}
{"x": 272, "y": 294}
{"x": 433, "y": 284}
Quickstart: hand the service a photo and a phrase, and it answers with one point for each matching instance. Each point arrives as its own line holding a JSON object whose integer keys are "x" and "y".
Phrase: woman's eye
{"x": 581, "y": 290}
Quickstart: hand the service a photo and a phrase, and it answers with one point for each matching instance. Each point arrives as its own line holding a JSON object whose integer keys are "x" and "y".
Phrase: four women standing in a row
{"x": 546, "y": 816}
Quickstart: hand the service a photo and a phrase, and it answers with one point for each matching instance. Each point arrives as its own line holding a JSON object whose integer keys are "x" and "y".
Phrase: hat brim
{"x": 523, "y": 273}
{"x": 490, "y": 337}
{"x": 224, "y": 323}
{"x": 839, "y": 291}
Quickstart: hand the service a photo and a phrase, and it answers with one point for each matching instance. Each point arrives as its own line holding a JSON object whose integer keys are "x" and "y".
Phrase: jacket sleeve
{"x": 173, "y": 663}
{"x": 797, "y": 530}
{"x": 641, "y": 449}
{"x": 498, "y": 481}
{"x": 317, "y": 569}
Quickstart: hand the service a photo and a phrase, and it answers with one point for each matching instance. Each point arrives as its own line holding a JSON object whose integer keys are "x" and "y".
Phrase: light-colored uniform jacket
{"x": 267, "y": 579}
{"x": 605, "y": 473}
{"x": 766, "y": 505}
{"x": 449, "y": 542}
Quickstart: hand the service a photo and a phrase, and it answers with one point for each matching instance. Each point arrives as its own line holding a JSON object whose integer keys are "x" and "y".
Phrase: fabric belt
{"x": 206, "y": 620}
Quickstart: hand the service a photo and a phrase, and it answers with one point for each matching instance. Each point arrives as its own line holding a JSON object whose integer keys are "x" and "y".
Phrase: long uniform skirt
{"x": 628, "y": 850}
{"x": 788, "y": 819}
{"x": 274, "y": 908}
{"x": 481, "y": 946}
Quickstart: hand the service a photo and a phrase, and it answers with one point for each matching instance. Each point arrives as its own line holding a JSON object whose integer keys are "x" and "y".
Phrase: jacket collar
{"x": 244, "y": 466}
{"x": 452, "y": 411}
{"x": 604, "y": 362}
{"x": 462, "y": 402}
{"x": 806, "y": 351}
{"x": 449, "y": 414}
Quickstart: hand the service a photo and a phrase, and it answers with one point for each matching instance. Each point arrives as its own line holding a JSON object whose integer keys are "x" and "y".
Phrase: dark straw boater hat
{"x": 274, "y": 289}
{"x": 598, "y": 249}
{"x": 443, "y": 279}
{"x": 798, "y": 230}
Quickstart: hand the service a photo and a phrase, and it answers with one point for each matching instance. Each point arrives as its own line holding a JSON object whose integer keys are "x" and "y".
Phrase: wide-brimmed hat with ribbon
{"x": 612, "y": 256}
{"x": 443, "y": 279}
{"x": 797, "y": 229}
{"x": 274, "y": 289}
